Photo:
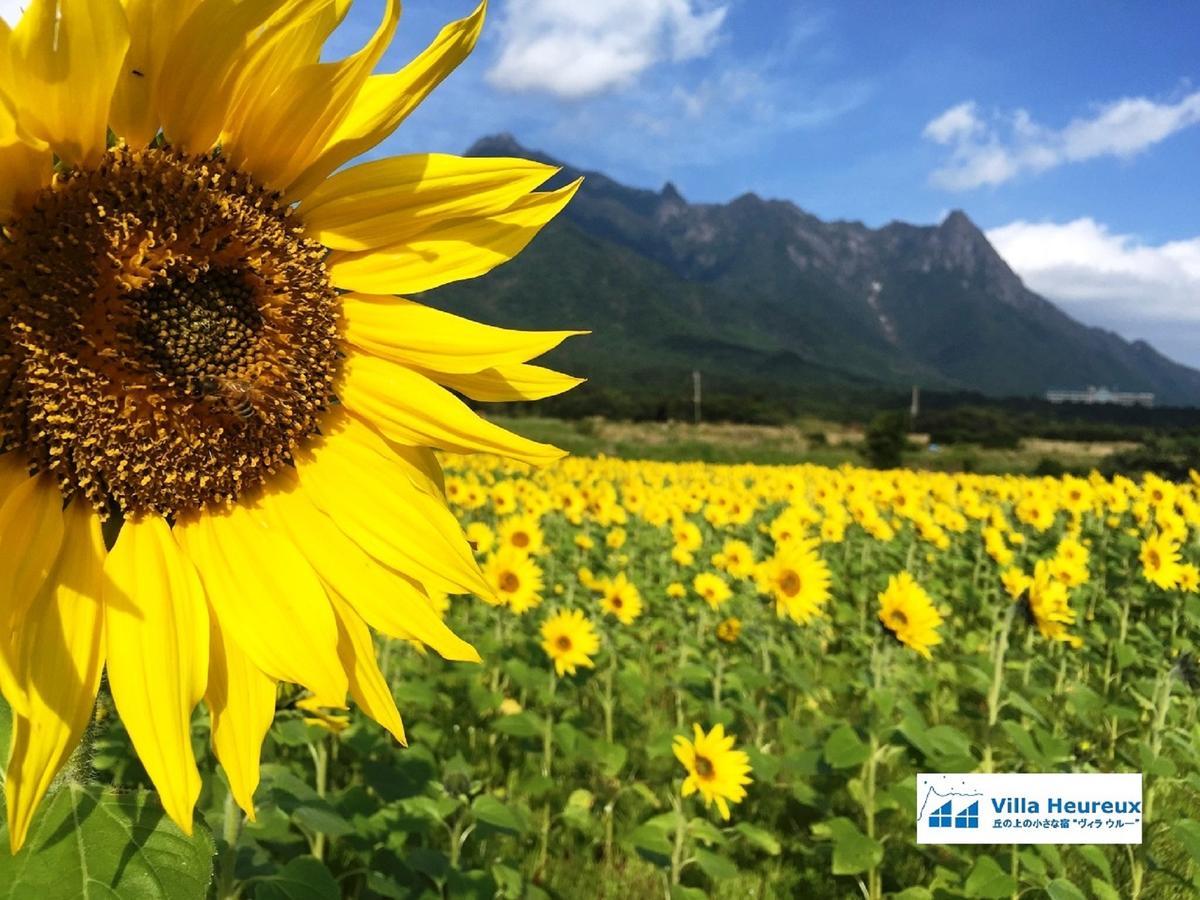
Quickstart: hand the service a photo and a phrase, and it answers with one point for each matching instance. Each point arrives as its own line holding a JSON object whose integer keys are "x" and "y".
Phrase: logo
{"x": 985, "y": 808}
{"x": 968, "y": 817}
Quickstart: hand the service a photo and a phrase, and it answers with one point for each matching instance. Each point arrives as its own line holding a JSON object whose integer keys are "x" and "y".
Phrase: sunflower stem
{"x": 226, "y": 886}
{"x": 320, "y": 754}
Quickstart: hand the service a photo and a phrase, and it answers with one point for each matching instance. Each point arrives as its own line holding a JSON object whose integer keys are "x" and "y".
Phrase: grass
{"x": 808, "y": 441}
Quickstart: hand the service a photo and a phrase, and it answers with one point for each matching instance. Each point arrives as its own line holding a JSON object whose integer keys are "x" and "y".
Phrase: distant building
{"x": 1102, "y": 395}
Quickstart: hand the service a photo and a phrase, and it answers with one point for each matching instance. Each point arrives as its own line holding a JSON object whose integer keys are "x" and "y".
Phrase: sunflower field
{"x": 722, "y": 681}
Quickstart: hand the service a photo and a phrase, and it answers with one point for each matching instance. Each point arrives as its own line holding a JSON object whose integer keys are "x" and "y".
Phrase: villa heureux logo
{"x": 1067, "y": 808}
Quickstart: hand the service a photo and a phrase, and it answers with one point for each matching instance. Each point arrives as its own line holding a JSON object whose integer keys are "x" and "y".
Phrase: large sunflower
{"x": 215, "y": 413}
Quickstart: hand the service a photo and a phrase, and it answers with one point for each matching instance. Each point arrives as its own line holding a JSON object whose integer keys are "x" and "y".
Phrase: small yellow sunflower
{"x": 515, "y": 578}
{"x": 908, "y": 613}
{"x": 729, "y": 630}
{"x": 216, "y": 411}
{"x": 798, "y": 579}
{"x": 523, "y": 533}
{"x": 570, "y": 641}
{"x": 619, "y": 597}
{"x": 1160, "y": 560}
{"x": 712, "y": 588}
{"x": 714, "y": 768}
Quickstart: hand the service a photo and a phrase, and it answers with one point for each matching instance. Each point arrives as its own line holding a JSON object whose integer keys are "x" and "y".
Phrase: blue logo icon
{"x": 943, "y": 817}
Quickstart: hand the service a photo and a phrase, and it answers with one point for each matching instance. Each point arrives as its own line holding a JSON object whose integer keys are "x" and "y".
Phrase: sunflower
{"x": 797, "y": 578}
{"x": 515, "y": 578}
{"x": 570, "y": 640}
{"x": 729, "y": 630}
{"x": 523, "y": 533}
{"x": 908, "y": 613}
{"x": 216, "y": 414}
{"x": 620, "y": 597}
{"x": 1160, "y": 560}
{"x": 1049, "y": 604}
{"x": 712, "y": 588}
{"x": 714, "y": 768}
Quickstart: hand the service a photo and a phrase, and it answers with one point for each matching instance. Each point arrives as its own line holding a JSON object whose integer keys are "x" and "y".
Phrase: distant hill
{"x": 766, "y": 299}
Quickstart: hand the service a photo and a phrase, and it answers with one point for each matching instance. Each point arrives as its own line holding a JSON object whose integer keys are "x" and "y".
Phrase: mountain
{"x": 764, "y": 298}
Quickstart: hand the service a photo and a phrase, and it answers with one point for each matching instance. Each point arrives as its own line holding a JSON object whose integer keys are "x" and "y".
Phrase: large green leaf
{"x": 304, "y": 878}
{"x": 90, "y": 842}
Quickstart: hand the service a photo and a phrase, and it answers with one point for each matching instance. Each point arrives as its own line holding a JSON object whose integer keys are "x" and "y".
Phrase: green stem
{"x": 999, "y": 651}
{"x": 226, "y": 886}
{"x": 680, "y": 841}
{"x": 320, "y": 754}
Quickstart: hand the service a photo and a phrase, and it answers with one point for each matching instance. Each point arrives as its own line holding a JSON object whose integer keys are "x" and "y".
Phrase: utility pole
{"x": 696, "y": 393}
{"x": 915, "y": 409}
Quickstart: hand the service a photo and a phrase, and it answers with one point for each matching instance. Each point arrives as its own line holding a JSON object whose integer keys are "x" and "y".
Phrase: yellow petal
{"x": 386, "y": 100}
{"x": 25, "y": 161}
{"x": 266, "y": 598}
{"x": 389, "y": 200}
{"x": 156, "y": 627}
{"x": 288, "y": 127}
{"x": 450, "y": 251}
{"x": 292, "y": 38}
{"x": 60, "y": 651}
{"x": 31, "y": 532}
{"x": 241, "y": 701}
{"x": 413, "y": 334}
{"x": 367, "y": 685}
{"x": 66, "y": 56}
{"x": 216, "y": 44}
{"x": 372, "y": 501}
{"x": 506, "y": 383}
{"x": 391, "y": 603}
{"x": 153, "y": 25}
{"x": 408, "y": 408}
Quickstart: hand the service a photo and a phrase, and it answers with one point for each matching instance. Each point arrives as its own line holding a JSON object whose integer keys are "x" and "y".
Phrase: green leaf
{"x": 496, "y": 813}
{"x": 683, "y": 892}
{"x": 853, "y": 851}
{"x": 521, "y": 725}
{"x": 652, "y": 844}
{"x": 1061, "y": 889}
{"x": 1098, "y": 861}
{"x": 913, "y": 893}
{"x": 303, "y": 878}
{"x": 759, "y": 837}
{"x": 715, "y": 866}
{"x": 1104, "y": 891}
{"x": 845, "y": 748}
{"x": 988, "y": 880}
{"x": 87, "y": 841}
{"x": 1187, "y": 832}
{"x": 706, "y": 832}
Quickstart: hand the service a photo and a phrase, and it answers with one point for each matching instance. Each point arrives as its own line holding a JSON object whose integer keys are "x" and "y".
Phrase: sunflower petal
{"x": 389, "y": 602}
{"x": 413, "y": 334}
{"x": 376, "y": 506}
{"x": 152, "y": 27}
{"x": 388, "y": 200}
{"x": 284, "y": 130}
{"x": 256, "y": 580}
{"x": 241, "y": 701}
{"x": 26, "y": 162}
{"x": 213, "y": 48}
{"x": 31, "y": 533}
{"x": 386, "y": 100}
{"x": 60, "y": 648}
{"x": 508, "y": 383}
{"x": 156, "y": 627}
{"x": 66, "y": 56}
{"x": 450, "y": 251}
{"x": 408, "y": 408}
{"x": 367, "y": 685}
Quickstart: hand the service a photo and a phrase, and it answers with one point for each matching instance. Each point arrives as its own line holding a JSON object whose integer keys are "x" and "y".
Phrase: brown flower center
{"x": 704, "y": 766}
{"x": 520, "y": 539}
{"x": 509, "y": 583}
{"x": 167, "y": 333}
{"x": 563, "y": 643}
{"x": 790, "y": 584}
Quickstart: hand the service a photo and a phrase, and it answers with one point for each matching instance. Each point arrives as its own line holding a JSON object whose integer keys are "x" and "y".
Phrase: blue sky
{"x": 1069, "y": 131}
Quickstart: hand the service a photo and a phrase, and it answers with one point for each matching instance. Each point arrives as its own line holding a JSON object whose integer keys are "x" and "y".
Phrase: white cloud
{"x": 11, "y": 10}
{"x": 575, "y": 49}
{"x": 994, "y": 150}
{"x": 1139, "y": 289}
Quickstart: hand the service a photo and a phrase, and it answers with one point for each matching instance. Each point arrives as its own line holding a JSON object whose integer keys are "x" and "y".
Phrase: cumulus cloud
{"x": 1137, "y": 288}
{"x": 11, "y": 10}
{"x": 576, "y": 49}
{"x": 989, "y": 150}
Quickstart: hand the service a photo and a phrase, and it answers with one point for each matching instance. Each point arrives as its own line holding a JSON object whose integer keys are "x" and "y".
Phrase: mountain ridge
{"x": 763, "y": 295}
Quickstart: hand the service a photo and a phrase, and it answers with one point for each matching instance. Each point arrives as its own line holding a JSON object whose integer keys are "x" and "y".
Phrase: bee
{"x": 240, "y": 395}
